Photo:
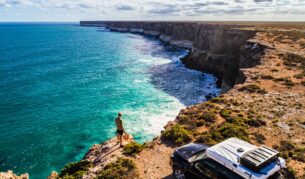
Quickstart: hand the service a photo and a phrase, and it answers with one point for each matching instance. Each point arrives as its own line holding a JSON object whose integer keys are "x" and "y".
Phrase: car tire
{"x": 178, "y": 173}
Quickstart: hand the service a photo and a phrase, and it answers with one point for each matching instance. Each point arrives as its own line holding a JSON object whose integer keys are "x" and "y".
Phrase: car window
{"x": 205, "y": 167}
{"x": 198, "y": 156}
{"x": 226, "y": 173}
{"x": 220, "y": 170}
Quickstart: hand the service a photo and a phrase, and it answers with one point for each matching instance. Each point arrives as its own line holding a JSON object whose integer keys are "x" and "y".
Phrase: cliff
{"x": 214, "y": 48}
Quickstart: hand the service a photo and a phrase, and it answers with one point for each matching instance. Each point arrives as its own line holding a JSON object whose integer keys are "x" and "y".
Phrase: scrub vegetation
{"x": 260, "y": 138}
{"x": 218, "y": 134}
{"x": 287, "y": 35}
{"x": 177, "y": 134}
{"x": 123, "y": 168}
{"x": 75, "y": 170}
{"x": 289, "y": 150}
{"x": 133, "y": 148}
{"x": 253, "y": 88}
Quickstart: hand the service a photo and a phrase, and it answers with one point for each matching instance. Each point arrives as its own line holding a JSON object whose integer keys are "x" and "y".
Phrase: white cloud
{"x": 159, "y": 9}
{"x": 12, "y": 3}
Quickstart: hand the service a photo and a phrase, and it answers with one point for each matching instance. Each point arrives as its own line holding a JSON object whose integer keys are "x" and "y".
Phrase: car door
{"x": 203, "y": 169}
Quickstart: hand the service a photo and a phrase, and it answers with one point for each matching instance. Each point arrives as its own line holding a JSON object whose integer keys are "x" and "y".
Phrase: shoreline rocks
{"x": 10, "y": 175}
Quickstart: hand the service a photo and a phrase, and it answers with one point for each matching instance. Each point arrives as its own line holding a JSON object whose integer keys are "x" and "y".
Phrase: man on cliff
{"x": 120, "y": 129}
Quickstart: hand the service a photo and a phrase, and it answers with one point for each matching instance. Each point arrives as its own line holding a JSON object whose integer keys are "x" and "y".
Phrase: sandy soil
{"x": 154, "y": 162}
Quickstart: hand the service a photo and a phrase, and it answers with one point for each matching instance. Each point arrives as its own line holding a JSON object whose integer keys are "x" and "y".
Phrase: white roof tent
{"x": 245, "y": 159}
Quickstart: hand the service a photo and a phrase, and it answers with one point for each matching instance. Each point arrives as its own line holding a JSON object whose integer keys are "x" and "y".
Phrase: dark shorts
{"x": 120, "y": 132}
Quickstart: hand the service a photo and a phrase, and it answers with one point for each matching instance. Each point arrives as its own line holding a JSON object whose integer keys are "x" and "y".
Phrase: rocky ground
{"x": 268, "y": 108}
{"x": 10, "y": 175}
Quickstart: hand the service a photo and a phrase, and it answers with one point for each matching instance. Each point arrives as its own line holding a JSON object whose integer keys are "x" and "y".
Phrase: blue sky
{"x": 72, "y": 10}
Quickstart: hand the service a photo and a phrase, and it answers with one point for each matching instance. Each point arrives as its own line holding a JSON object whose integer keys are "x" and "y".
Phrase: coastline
{"x": 214, "y": 48}
{"x": 249, "y": 89}
{"x": 263, "y": 93}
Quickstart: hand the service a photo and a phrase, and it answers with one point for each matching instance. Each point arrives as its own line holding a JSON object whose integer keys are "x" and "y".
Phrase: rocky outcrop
{"x": 53, "y": 175}
{"x": 10, "y": 175}
{"x": 99, "y": 155}
{"x": 214, "y": 48}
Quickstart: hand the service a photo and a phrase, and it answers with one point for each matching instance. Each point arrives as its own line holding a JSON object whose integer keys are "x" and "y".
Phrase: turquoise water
{"x": 61, "y": 87}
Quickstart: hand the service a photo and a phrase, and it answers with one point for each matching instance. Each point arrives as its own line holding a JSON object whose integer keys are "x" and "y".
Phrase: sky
{"x": 205, "y": 10}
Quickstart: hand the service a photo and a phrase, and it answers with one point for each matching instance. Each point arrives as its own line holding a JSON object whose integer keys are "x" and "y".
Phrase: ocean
{"x": 62, "y": 85}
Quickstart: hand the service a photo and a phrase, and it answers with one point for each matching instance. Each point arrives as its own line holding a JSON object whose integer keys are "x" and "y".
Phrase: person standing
{"x": 120, "y": 129}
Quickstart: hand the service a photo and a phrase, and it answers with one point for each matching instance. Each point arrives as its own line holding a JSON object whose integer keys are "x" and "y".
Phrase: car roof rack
{"x": 258, "y": 158}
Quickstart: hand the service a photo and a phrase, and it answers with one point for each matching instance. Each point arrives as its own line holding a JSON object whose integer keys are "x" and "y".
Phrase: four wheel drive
{"x": 230, "y": 159}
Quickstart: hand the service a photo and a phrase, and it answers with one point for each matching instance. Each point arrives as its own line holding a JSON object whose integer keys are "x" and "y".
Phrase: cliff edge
{"x": 214, "y": 48}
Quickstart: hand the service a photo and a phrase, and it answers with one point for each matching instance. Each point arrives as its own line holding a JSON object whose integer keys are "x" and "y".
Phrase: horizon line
{"x": 151, "y": 21}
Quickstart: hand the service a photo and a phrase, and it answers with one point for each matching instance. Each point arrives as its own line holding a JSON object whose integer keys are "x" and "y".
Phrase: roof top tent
{"x": 245, "y": 159}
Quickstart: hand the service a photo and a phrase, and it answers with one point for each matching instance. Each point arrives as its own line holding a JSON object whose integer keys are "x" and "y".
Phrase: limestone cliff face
{"x": 215, "y": 49}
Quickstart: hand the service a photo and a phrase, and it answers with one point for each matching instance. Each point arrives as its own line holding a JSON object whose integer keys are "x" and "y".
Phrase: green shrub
{"x": 256, "y": 122}
{"x": 299, "y": 156}
{"x": 260, "y": 138}
{"x": 286, "y": 146}
{"x": 235, "y": 102}
{"x": 206, "y": 139}
{"x": 199, "y": 123}
{"x": 208, "y": 116}
{"x": 210, "y": 104}
{"x": 225, "y": 113}
{"x": 279, "y": 79}
{"x": 287, "y": 149}
{"x": 218, "y": 134}
{"x": 231, "y": 130}
{"x": 218, "y": 100}
{"x": 133, "y": 148}
{"x": 252, "y": 88}
{"x": 75, "y": 170}
{"x": 177, "y": 134}
{"x": 184, "y": 119}
{"x": 288, "y": 82}
{"x": 294, "y": 60}
{"x": 123, "y": 168}
{"x": 240, "y": 115}
{"x": 236, "y": 120}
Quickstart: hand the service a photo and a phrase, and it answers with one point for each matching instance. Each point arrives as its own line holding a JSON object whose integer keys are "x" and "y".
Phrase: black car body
{"x": 191, "y": 161}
